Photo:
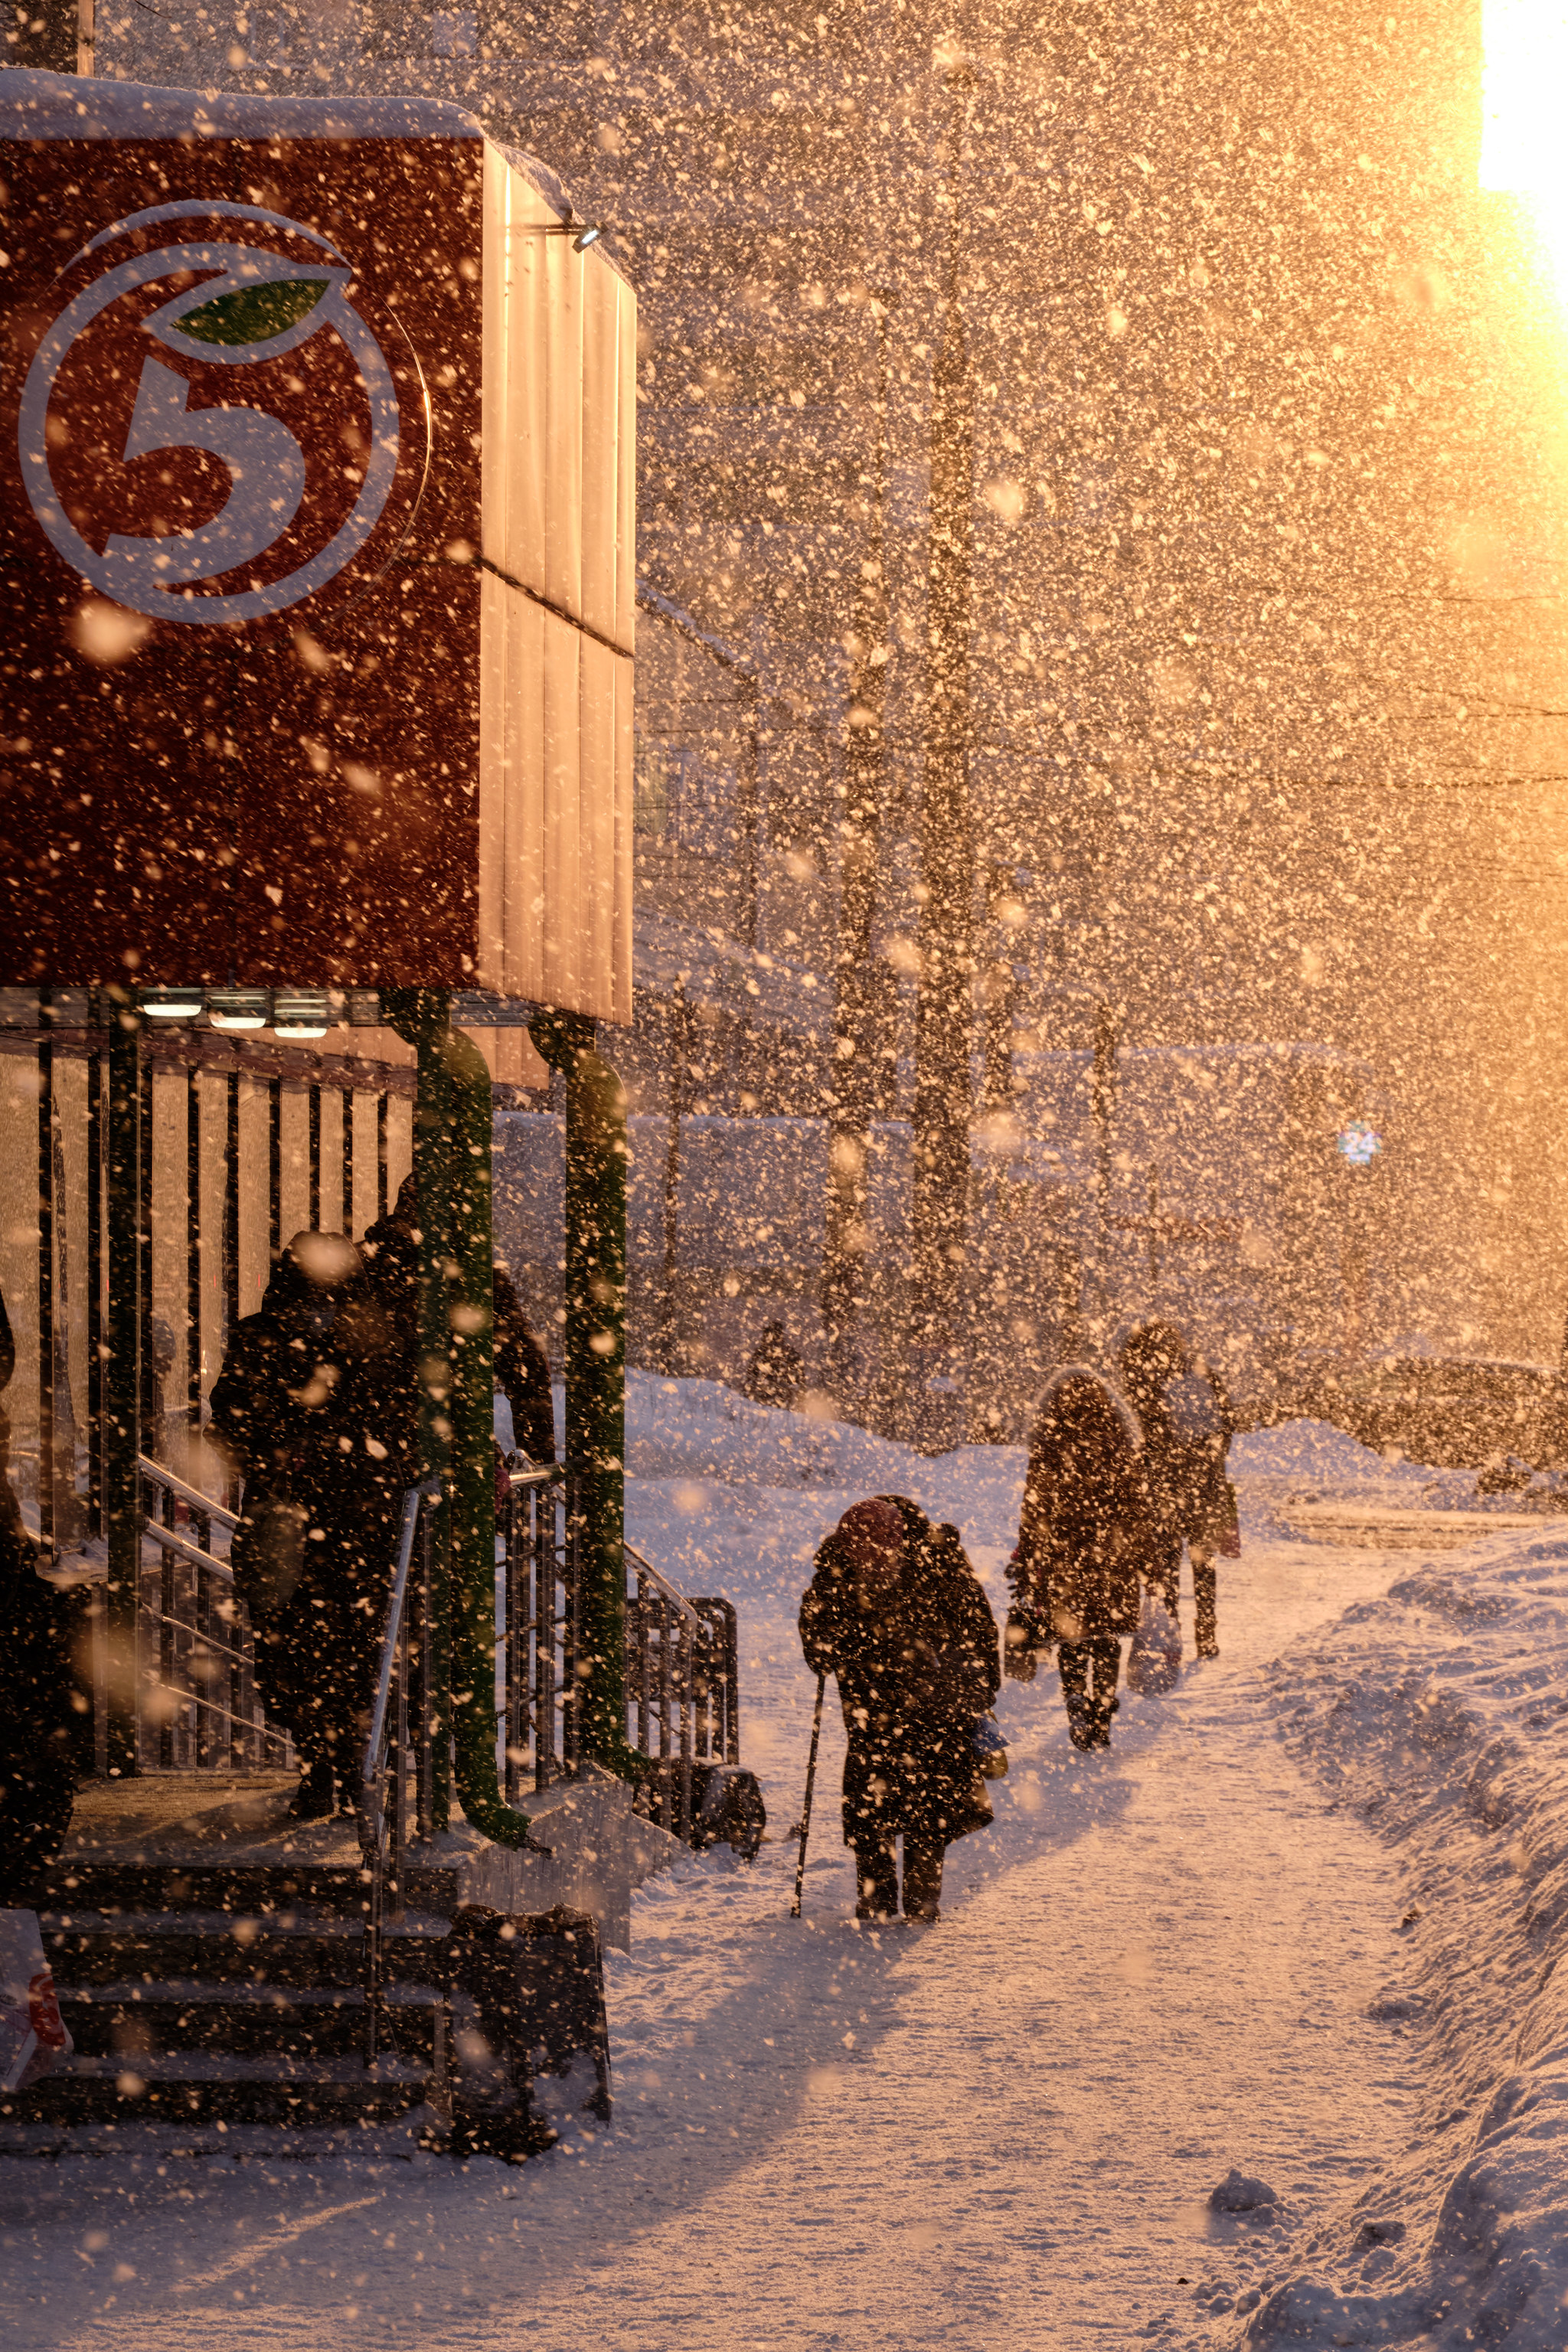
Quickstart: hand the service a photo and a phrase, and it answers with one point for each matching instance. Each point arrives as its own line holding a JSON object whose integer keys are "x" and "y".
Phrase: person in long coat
{"x": 1187, "y": 1421}
{"x": 521, "y": 1370}
{"x": 895, "y": 1611}
{"x": 1083, "y": 1524}
{"x": 274, "y": 1418}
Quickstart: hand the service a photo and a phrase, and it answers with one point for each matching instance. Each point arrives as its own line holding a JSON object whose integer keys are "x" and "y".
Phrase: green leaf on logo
{"x": 255, "y": 314}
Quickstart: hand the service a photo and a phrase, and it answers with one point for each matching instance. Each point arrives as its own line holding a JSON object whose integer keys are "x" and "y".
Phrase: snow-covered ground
{"x": 1299, "y": 1925}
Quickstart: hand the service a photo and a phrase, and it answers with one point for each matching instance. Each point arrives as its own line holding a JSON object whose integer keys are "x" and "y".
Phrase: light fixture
{"x": 238, "y": 1008}
{"x": 301, "y": 1013}
{"x": 172, "y": 1004}
{"x": 583, "y": 233}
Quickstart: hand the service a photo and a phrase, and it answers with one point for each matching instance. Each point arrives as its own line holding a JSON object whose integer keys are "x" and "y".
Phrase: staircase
{"x": 207, "y": 1993}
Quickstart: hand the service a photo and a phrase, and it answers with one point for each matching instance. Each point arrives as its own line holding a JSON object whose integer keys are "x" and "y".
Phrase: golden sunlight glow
{"x": 1525, "y": 90}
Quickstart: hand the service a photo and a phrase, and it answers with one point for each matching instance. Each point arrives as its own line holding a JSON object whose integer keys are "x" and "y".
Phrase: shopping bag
{"x": 1154, "y": 1662}
{"x": 33, "y": 2034}
{"x": 990, "y": 1749}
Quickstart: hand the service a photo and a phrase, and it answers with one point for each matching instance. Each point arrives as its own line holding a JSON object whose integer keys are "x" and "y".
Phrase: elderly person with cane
{"x": 894, "y": 1610}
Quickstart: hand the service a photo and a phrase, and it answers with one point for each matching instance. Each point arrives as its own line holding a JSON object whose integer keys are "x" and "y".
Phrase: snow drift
{"x": 1441, "y": 1712}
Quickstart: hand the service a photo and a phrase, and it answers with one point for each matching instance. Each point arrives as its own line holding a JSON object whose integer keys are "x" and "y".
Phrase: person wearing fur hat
{"x": 896, "y": 1611}
{"x": 1074, "y": 1572}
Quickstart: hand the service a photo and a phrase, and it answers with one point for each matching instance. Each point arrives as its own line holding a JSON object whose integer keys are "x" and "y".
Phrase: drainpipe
{"x": 456, "y": 1388}
{"x": 596, "y": 1374}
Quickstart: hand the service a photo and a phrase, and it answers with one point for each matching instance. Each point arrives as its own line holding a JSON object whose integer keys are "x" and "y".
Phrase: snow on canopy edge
{"x": 35, "y": 105}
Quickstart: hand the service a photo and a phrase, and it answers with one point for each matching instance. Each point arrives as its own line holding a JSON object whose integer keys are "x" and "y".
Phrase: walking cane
{"x": 810, "y": 1785}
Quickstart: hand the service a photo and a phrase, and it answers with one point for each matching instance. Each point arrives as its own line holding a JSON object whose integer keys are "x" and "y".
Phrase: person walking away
{"x": 777, "y": 1373}
{"x": 1187, "y": 1423}
{"x": 1074, "y": 1575}
{"x": 522, "y": 1372}
{"x": 896, "y": 1613}
{"x": 271, "y": 1420}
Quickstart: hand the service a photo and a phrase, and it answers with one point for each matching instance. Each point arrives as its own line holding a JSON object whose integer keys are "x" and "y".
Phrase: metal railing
{"x": 399, "y": 1751}
{"x": 682, "y": 1671}
{"x": 196, "y": 1704}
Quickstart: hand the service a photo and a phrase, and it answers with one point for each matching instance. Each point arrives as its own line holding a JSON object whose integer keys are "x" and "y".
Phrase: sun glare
{"x": 1525, "y": 77}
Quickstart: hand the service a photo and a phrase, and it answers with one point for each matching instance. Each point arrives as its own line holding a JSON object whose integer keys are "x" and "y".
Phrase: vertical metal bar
{"x": 687, "y": 1656}
{"x": 144, "y": 1259}
{"x": 731, "y": 1684}
{"x": 348, "y": 1162}
{"x": 545, "y": 1568}
{"x": 193, "y": 1271}
{"x": 168, "y": 1662}
{"x": 94, "y": 1288}
{"x": 314, "y": 1219}
{"x": 274, "y": 1167}
{"x": 46, "y": 1141}
{"x": 426, "y": 1798}
{"x": 230, "y": 1238}
{"x": 400, "y": 1782}
{"x": 122, "y": 1382}
{"x": 641, "y": 1663}
{"x": 511, "y": 1617}
{"x": 666, "y": 1693}
{"x": 382, "y": 1145}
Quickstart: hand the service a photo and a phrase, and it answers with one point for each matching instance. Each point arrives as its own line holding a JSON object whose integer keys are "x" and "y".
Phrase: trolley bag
{"x": 33, "y": 2034}
{"x": 1155, "y": 1662}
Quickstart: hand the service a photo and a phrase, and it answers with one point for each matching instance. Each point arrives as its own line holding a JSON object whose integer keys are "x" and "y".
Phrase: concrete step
{"x": 289, "y": 1948}
{"x": 134, "y": 2021}
{"x": 153, "y": 1884}
{"x": 188, "y": 2088}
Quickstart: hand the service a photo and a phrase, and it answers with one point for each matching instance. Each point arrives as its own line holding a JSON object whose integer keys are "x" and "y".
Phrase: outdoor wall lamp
{"x": 238, "y": 1008}
{"x": 583, "y": 233}
{"x": 301, "y": 1013}
{"x": 172, "y": 1004}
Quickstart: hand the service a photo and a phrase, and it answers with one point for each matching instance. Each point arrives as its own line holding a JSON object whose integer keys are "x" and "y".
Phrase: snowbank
{"x": 1440, "y": 1713}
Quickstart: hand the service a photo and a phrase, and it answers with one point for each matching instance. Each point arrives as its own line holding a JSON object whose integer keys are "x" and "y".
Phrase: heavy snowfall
{"x": 1243, "y": 2034}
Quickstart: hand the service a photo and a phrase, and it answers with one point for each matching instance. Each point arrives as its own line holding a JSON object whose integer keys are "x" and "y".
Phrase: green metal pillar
{"x": 120, "y": 1435}
{"x": 456, "y": 1388}
{"x": 596, "y": 1373}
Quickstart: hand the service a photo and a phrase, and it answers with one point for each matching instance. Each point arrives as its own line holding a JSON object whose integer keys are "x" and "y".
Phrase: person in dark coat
{"x": 1084, "y": 1520}
{"x": 277, "y": 1419}
{"x": 522, "y": 1372}
{"x": 1187, "y": 1423}
{"x": 777, "y": 1373}
{"x": 45, "y": 1689}
{"x": 894, "y": 1611}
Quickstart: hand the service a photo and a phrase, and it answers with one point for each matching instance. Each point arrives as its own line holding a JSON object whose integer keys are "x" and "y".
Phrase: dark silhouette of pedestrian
{"x": 1084, "y": 1521}
{"x": 46, "y": 1688}
{"x": 895, "y": 1611}
{"x": 522, "y": 1372}
{"x": 777, "y": 1373}
{"x": 1187, "y": 1423}
{"x": 278, "y": 1419}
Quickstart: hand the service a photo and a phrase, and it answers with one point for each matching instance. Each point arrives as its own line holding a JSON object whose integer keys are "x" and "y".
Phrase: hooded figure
{"x": 275, "y": 1417}
{"x": 1084, "y": 1521}
{"x": 894, "y": 1610}
{"x": 522, "y": 1372}
{"x": 1187, "y": 1423}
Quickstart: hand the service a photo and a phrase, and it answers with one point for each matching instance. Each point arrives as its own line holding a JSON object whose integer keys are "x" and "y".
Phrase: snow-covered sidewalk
{"x": 1159, "y": 1965}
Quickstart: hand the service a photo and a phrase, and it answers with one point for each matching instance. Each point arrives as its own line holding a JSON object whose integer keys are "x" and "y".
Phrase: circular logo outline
{"x": 126, "y": 572}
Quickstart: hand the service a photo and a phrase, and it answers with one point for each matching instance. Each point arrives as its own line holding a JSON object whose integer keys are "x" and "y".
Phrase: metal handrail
{"x": 199, "y": 1502}
{"x": 375, "y": 1836}
{"x": 663, "y": 1586}
{"x": 171, "y": 1540}
{"x": 376, "y": 1747}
